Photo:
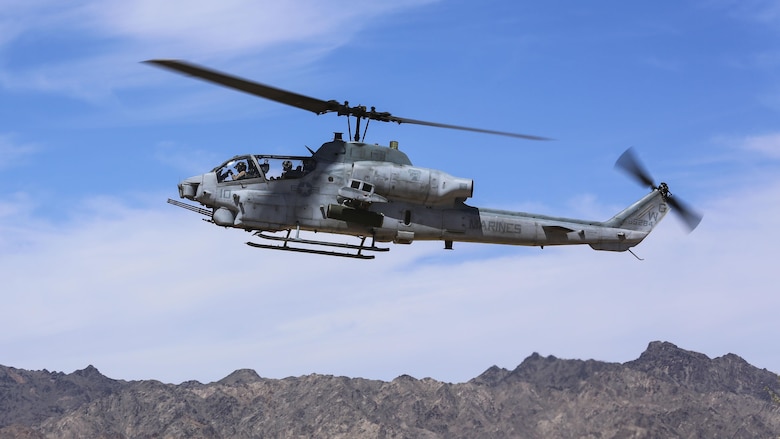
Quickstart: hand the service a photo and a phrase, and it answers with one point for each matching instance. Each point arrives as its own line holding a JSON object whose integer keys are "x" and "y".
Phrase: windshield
{"x": 237, "y": 168}
{"x": 269, "y": 167}
{"x": 282, "y": 168}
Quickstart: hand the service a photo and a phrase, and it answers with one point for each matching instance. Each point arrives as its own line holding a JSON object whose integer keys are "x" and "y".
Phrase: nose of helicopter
{"x": 188, "y": 188}
{"x": 200, "y": 188}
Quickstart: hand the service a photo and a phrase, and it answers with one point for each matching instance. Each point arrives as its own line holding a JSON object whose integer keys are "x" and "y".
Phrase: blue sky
{"x": 98, "y": 269}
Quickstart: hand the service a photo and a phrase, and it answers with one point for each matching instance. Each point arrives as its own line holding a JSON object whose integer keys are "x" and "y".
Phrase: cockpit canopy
{"x": 264, "y": 168}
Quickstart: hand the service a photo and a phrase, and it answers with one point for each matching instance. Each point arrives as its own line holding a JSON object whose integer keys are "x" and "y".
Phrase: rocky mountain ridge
{"x": 666, "y": 392}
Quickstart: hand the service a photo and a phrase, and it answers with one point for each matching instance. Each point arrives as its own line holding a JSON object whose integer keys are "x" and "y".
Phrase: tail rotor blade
{"x": 629, "y": 163}
{"x": 690, "y": 217}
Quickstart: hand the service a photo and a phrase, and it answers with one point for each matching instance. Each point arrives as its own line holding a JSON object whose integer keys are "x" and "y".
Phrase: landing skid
{"x": 287, "y": 240}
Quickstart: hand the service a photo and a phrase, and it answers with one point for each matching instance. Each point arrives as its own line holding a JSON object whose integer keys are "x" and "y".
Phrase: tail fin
{"x": 634, "y": 223}
{"x": 643, "y": 215}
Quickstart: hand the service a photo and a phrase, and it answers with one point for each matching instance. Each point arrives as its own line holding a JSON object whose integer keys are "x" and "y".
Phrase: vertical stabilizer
{"x": 643, "y": 215}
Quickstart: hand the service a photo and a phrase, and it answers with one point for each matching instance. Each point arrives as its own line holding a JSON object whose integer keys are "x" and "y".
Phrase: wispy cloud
{"x": 765, "y": 11}
{"x": 117, "y": 35}
{"x": 659, "y": 63}
{"x": 13, "y": 152}
{"x": 761, "y": 11}
{"x": 767, "y": 145}
{"x": 234, "y": 26}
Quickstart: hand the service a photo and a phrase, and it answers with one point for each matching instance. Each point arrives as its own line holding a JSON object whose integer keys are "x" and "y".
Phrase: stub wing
{"x": 361, "y": 195}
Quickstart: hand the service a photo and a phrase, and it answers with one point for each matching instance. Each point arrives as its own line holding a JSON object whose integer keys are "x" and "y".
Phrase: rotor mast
{"x": 360, "y": 113}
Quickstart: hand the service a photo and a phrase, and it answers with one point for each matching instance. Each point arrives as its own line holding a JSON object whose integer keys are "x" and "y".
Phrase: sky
{"x": 98, "y": 270}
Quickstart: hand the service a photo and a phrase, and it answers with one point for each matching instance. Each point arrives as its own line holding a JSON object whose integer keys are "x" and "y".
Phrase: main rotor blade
{"x": 458, "y": 127}
{"x": 630, "y": 164}
{"x": 308, "y": 103}
{"x": 255, "y": 88}
{"x": 690, "y": 217}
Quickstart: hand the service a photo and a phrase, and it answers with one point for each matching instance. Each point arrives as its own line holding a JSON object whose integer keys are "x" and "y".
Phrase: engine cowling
{"x": 412, "y": 184}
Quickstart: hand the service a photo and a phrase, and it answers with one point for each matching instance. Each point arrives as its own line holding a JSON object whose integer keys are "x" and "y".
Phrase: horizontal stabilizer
{"x": 556, "y": 229}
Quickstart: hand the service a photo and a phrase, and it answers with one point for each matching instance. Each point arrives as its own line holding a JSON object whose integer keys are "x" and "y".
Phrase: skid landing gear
{"x": 287, "y": 240}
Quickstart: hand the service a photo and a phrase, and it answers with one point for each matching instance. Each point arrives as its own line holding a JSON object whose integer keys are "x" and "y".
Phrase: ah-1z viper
{"x": 349, "y": 187}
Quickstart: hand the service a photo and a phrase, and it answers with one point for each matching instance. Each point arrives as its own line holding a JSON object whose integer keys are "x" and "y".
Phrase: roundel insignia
{"x": 305, "y": 189}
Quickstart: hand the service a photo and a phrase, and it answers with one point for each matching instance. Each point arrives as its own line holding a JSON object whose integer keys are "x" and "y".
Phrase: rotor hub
{"x": 663, "y": 188}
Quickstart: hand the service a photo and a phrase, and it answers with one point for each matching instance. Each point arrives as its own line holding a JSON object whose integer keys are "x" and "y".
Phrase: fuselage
{"x": 358, "y": 189}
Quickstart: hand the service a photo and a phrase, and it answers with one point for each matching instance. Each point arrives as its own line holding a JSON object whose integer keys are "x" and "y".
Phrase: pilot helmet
{"x": 241, "y": 166}
{"x": 287, "y": 165}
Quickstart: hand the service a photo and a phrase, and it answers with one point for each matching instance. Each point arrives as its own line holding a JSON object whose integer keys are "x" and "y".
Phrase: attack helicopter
{"x": 349, "y": 187}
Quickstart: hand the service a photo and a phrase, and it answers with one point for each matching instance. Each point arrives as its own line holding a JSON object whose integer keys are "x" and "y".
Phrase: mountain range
{"x": 667, "y": 392}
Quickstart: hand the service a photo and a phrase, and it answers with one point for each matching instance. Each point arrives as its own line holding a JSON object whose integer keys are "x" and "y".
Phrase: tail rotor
{"x": 629, "y": 163}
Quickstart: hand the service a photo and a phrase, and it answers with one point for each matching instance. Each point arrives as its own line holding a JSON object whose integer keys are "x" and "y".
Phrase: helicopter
{"x": 362, "y": 190}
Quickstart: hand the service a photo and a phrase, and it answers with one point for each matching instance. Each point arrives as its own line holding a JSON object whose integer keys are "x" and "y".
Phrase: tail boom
{"x": 623, "y": 231}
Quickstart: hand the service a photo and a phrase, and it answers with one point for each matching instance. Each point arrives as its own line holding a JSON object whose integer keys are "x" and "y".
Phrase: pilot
{"x": 286, "y": 167}
{"x": 241, "y": 169}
